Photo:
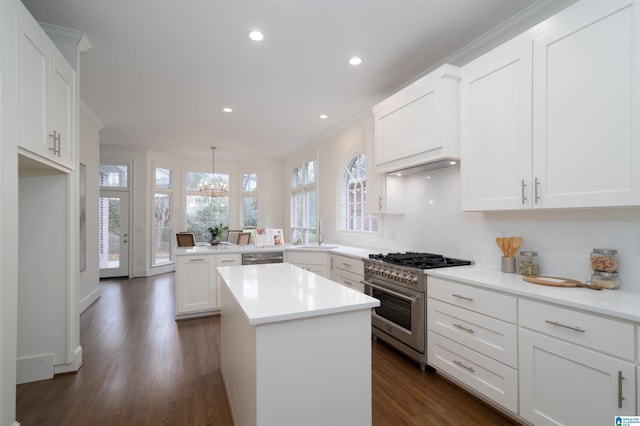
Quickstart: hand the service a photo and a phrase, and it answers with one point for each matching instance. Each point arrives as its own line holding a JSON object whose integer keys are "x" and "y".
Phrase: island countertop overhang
{"x": 282, "y": 291}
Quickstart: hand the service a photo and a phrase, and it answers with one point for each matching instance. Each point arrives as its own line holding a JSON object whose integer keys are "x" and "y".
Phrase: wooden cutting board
{"x": 558, "y": 282}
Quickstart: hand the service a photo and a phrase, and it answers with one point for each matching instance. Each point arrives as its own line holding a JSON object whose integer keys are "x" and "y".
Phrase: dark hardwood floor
{"x": 143, "y": 368}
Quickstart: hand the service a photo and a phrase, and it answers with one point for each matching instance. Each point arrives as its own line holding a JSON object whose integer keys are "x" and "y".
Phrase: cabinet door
{"x": 63, "y": 109}
{"x": 496, "y": 129}
{"x": 561, "y": 383}
{"x": 195, "y": 284}
{"x": 33, "y": 76}
{"x": 586, "y": 107}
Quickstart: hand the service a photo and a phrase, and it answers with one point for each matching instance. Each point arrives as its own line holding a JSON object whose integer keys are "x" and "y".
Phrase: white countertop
{"x": 354, "y": 252}
{"x": 282, "y": 291}
{"x": 614, "y": 303}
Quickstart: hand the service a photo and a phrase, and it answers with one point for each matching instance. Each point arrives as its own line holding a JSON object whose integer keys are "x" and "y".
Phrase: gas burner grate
{"x": 419, "y": 260}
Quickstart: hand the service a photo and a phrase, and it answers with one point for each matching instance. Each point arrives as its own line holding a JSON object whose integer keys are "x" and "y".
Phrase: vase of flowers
{"x": 216, "y": 232}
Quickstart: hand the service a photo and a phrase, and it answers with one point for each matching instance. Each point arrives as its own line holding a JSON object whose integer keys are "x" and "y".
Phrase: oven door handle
{"x": 391, "y": 292}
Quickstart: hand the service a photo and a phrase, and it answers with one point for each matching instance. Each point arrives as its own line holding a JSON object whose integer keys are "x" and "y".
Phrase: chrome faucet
{"x": 320, "y": 235}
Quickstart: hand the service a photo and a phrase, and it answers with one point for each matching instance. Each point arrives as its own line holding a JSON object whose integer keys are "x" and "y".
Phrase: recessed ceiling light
{"x": 256, "y": 35}
{"x": 355, "y": 61}
{"x": 324, "y": 116}
{"x": 227, "y": 109}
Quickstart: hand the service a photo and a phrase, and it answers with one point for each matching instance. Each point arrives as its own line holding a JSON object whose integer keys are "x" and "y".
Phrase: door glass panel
{"x": 114, "y": 175}
{"x": 110, "y": 238}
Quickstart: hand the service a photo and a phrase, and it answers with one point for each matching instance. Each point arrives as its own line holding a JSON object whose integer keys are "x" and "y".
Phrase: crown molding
{"x": 68, "y": 36}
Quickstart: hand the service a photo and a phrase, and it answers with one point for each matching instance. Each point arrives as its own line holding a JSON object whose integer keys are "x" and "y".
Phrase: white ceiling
{"x": 160, "y": 71}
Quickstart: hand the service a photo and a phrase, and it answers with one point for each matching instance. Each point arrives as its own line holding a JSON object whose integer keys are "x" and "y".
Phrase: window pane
{"x": 163, "y": 178}
{"x": 310, "y": 209}
{"x": 114, "y": 175}
{"x": 250, "y": 212}
{"x": 205, "y": 212}
{"x": 296, "y": 178}
{"x": 163, "y": 232}
{"x": 297, "y": 207}
{"x": 353, "y": 216}
{"x": 310, "y": 176}
{"x": 249, "y": 182}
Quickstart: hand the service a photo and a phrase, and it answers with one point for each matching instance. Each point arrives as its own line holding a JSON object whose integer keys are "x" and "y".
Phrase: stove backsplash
{"x": 563, "y": 239}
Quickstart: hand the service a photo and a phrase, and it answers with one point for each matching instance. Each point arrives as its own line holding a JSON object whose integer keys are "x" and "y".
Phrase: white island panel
{"x": 295, "y": 347}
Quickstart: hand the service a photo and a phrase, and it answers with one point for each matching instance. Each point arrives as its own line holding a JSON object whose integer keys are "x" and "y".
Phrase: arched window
{"x": 353, "y": 197}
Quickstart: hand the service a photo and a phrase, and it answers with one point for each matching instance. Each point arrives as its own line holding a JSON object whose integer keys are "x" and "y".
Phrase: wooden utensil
{"x": 514, "y": 245}
{"x": 503, "y": 243}
{"x": 559, "y": 282}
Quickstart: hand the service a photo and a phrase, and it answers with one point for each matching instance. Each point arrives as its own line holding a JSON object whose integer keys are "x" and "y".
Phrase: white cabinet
{"x": 46, "y": 96}
{"x": 571, "y": 371}
{"x": 385, "y": 194}
{"x": 196, "y": 285}
{"x": 312, "y": 261}
{"x": 472, "y": 337}
{"x": 347, "y": 271}
{"x": 549, "y": 119}
{"x": 419, "y": 123}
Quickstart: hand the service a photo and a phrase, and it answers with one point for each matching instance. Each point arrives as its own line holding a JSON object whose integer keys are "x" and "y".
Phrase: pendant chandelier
{"x": 210, "y": 189}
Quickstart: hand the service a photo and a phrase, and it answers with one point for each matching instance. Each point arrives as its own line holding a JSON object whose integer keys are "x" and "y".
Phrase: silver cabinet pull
{"x": 228, "y": 260}
{"x": 347, "y": 282}
{"x": 620, "y": 397}
{"x": 466, "y": 367}
{"x": 196, "y": 260}
{"x": 380, "y": 202}
{"x": 58, "y": 145}
{"x": 536, "y": 187}
{"x": 578, "y": 329}
{"x": 459, "y": 296}
{"x": 462, "y": 327}
{"x": 347, "y": 265}
{"x": 524, "y": 195}
{"x": 52, "y": 145}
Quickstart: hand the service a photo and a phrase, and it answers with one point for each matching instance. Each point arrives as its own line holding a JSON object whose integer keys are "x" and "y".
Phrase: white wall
{"x": 89, "y": 140}
{"x": 435, "y": 223}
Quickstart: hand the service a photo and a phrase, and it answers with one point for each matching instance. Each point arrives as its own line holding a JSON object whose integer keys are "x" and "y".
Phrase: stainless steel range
{"x": 399, "y": 281}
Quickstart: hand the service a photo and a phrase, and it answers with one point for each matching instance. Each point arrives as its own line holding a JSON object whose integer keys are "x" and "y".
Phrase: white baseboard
{"x": 90, "y": 299}
{"x": 74, "y": 365}
{"x": 34, "y": 368}
{"x": 16, "y": 424}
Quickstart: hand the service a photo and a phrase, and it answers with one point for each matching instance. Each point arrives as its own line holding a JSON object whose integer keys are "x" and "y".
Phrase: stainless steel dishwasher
{"x": 263, "y": 257}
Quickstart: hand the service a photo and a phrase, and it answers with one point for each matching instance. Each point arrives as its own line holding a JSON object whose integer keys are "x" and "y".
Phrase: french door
{"x": 114, "y": 234}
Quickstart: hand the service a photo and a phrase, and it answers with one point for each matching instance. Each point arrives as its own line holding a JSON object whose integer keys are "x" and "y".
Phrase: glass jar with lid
{"x": 605, "y": 279}
{"x": 528, "y": 263}
{"x": 604, "y": 260}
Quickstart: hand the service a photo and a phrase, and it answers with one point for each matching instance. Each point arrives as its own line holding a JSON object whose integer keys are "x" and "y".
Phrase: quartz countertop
{"x": 282, "y": 291}
{"x": 354, "y": 252}
{"x": 613, "y": 303}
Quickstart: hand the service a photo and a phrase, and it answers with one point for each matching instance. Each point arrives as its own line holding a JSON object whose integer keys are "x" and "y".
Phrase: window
{"x": 353, "y": 196}
{"x": 303, "y": 203}
{"x": 203, "y": 212}
{"x": 114, "y": 175}
{"x": 249, "y": 200}
{"x": 162, "y": 224}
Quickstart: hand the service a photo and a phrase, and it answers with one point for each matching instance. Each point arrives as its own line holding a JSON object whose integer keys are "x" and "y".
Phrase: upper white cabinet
{"x": 418, "y": 124}
{"x": 46, "y": 96}
{"x": 549, "y": 119}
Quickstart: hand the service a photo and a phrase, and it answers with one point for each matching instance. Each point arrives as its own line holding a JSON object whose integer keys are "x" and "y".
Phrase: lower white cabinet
{"x": 312, "y": 261}
{"x": 563, "y": 383}
{"x": 576, "y": 367}
{"x": 473, "y": 337}
{"x": 347, "y": 271}
{"x": 196, "y": 285}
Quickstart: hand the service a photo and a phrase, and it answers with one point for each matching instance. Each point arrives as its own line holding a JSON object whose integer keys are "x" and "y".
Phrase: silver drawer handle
{"x": 196, "y": 260}
{"x": 459, "y": 296}
{"x": 347, "y": 282}
{"x": 228, "y": 261}
{"x": 578, "y": 329}
{"x": 620, "y": 397}
{"x": 348, "y": 265}
{"x": 466, "y": 367}
{"x": 470, "y": 330}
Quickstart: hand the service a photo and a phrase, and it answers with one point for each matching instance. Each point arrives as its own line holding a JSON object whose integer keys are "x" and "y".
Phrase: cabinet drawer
{"x": 488, "y": 377}
{"x": 229, "y": 259}
{"x": 347, "y": 264}
{"x": 590, "y": 330}
{"x": 349, "y": 279}
{"x": 489, "y": 336}
{"x": 486, "y": 302}
{"x": 309, "y": 258}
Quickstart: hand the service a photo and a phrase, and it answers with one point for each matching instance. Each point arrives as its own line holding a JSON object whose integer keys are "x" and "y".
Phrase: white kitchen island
{"x": 295, "y": 347}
